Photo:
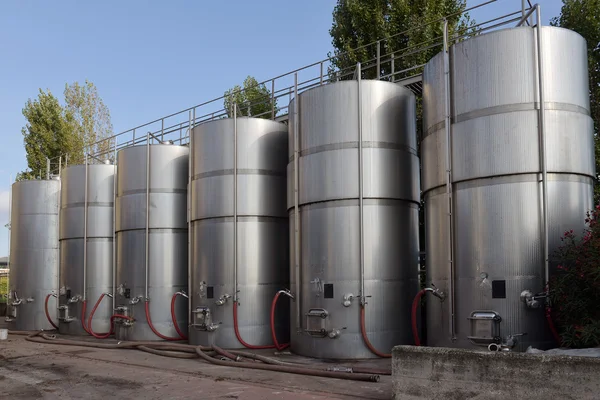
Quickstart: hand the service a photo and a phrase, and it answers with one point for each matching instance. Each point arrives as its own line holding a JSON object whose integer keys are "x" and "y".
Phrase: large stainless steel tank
{"x": 162, "y": 232}
{"x": 86, "y": 246}
{"x": 33, "y": 253}
{"x": 497, "y": 184}
{"x": 247, "y": 157}
{"x": 331, "y": 122}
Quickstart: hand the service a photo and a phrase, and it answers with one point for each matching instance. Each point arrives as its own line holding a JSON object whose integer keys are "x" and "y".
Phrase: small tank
{"x": 152, "y": 240}
{"x": 33, "y": 271}
{"x": 239, "y": 230}
{"x": 86, "y": 247}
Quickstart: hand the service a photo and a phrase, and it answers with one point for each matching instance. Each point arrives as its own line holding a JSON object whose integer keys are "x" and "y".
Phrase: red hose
{"x": 179, "y": 332}
{"x": 149, "y": 320}
{"x": 413, "y": 316}
{"x": 278, "y": 346}
{"x": 363, "y": 331}
{"x": 83, "y": 308}
{"x": 551, "y": 326}
{"x": 239, "y": 337}
{"x": 47, "y": 313}
{"x": 89, "y": 323}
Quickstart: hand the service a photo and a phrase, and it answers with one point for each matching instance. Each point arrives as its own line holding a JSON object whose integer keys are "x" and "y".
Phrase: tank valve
{"x": 74, "y": 299}
{"x": 348, "y": 300}
{"x": 223, "y": 299}
{"x": 334, "y": 334}
{"x": 29, "y": 300}
{"x": 507, "y": 344}
{"x": 532, "y": 300}
{"x": 136, "y": 299}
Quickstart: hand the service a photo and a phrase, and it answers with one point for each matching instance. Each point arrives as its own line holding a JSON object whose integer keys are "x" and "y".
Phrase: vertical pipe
{"x": 59, "y": 165}
{"x": 47, "y": 168}
{"x": 360, "y": 186}
{"x": 147, "y": 261}
{"x": 133, "y": 140}
{"x": 296, "y": 210}
{"x": 235, "y": 216}
{"x": 114, "y": 230}
{"x": 189, "y": 213}
{"x": 272, "y": 98}
{"x": 393, "y": 68}
{"x": 523, "y": 6}
{"x": 378, "y": 59}
{"x": 85, "y": 224}
{"x": 8, "y": 239}
{"x": 542, "y": 133}
{"x": 449, "y": 194}
{"x": 162, "y": 130}
{"x": 66, "y": 160}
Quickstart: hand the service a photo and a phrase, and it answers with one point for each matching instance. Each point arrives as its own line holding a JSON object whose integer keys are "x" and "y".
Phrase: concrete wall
{"x": 442, "y": 373}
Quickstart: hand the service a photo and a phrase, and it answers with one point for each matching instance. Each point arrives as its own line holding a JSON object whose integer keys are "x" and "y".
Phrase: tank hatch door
{"x": 317, "y": 322}
{"x": 485, "y": 328}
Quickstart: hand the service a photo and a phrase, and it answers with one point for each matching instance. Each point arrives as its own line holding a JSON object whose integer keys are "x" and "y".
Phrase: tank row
{"x": 307, "y": 234}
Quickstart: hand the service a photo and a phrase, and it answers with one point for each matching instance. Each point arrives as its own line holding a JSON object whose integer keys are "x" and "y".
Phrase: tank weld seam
{"x": 143, "y": 228}
{"x": 90, "y": 238}
{"x": 367, "y": 144}
{"x": 90, "y": 204}
{"x": 351, "y": 201}
{"x": 143, "y": 191}
{"x": 507, "y": 109}
{"x": 240, "y": 171}
{"x": 243, "y": 218}
{"x": 512, "y": 178}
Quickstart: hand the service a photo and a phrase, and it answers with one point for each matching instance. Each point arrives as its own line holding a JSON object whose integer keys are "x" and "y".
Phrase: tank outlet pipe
{"x": 114, "y": 229}
{"x": 173, "y": 314}
{"x": 147, "y": 233}
{"x": 235, "y": 206}
{"x": 287, "y": 293}
{"x": 46, "y": 309}
{"x": 413, "y": 315}
{"x": 363, "y": 300}
{"x": 297, "y": 272}
{"x": 85, "y": 225}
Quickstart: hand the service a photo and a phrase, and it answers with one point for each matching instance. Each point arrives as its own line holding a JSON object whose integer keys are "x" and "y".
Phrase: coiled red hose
{"x": 157, "y": 333}
{"x": 89, "y": 323}
{"x": 47, "y": 312}
{"x": 363, "y": 331}
{"x": 413, "y": 316}
{"x": 278, "y": 346}
{"x": 174, "y": 318}
{"x": 551, "y": 326}
{"x": 239, "y": 337}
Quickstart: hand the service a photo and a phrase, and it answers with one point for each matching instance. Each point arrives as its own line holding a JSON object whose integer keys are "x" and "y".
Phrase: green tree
{"x": 253, "y": 100}
{"x": 92, "y": 117}
{"x": 48, "y": 134}
{"x": 583, "y": 17}
{"x": 358, "y": 23}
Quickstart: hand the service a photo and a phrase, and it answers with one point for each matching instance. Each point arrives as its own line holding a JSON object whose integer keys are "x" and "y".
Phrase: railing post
{"x": 393, "y": 68}
{"x": 272, "y": 98}
{"x": 378, "y": 60}
{"x": 321, "y": 74}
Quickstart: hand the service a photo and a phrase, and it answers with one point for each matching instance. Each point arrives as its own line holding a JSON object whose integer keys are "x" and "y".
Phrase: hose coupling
{"x": 436, "y": 292}
{"x": 29, "y": 300}
{"x": 533, "y": 300}
{"x": 108, "y": 295}
{"x": 287, "y": 293}
{"x": 183, "y": 294}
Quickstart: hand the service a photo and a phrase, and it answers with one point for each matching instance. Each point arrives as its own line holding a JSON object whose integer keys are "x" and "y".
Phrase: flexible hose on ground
{"x": 239, "y": 337}
{"x": 363, "y": 331}
{"x": 91, "y": 317}
{"x": 157, "y": 333}
{"x": 206, "y": 353}
{"x": 174, "y": 318}
{"x": 48, "y": 313}
{"x": 278, "y": 346}
{"x": 413, "y": 317}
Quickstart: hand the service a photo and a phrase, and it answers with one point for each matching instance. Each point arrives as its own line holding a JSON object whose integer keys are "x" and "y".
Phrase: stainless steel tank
{"x": 358, "y": 232}
{"x": 158, "y": 231}
{"x": 497, "y": 184}
{"x": 33, "y": 254}
{"x": 238, "y": 173}
{"x": 86, "y": 246}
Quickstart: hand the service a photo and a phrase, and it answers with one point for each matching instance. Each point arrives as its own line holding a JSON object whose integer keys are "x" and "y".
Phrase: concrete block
{"x": 456, "y": 374}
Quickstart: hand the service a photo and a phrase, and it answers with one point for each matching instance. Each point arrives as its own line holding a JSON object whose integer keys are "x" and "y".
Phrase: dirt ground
{"x": 46, "y": 371}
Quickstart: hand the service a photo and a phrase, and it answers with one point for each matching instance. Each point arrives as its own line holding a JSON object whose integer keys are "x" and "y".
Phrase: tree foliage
{"x": 252, "y": 100}
{"x": 358, "y": 23}
{"x": 50, "y": 132}
{"x": 91, "y": 116}
{"x": 583, "y": 17}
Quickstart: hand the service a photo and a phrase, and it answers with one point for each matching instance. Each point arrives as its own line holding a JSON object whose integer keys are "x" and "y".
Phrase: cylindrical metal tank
{"x": 86, "y": 246}
{"x": 33, "y": 254}
{"x": 357, "y": 204}
{"x": 497, "y": 184}
{"x": 159, "y": 230}
{"x": 238, "y": 173}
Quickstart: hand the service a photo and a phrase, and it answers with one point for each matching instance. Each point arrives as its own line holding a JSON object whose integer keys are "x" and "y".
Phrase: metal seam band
{"x": 354, "y": 145}
{"x": 354, "y": 203}
{"x": 507, "y": 109}
{"x": 245, "y": 218}
{"x": 512, "y": 178}
{"x": 158, "y": 230}
{"x": 89, "y": 238}
{"x": 143, "y": 191}
{"x": 225, "y": 172}
{"x": 90, "y": 204}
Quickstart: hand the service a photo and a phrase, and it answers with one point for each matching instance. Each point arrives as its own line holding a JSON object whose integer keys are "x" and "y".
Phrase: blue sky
{"x": 151, "y": 58}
